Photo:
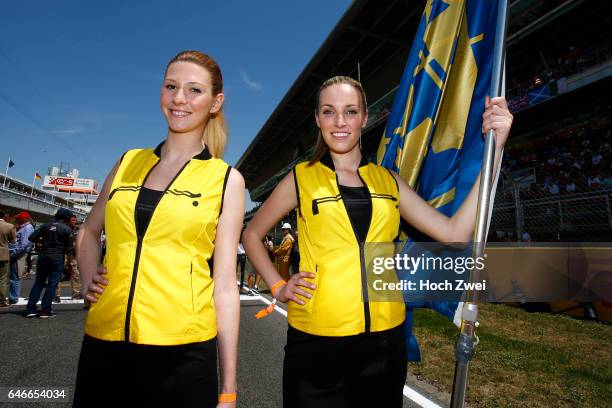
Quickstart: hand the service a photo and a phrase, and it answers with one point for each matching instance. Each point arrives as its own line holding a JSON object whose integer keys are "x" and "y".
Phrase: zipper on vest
{"x": 384, "y": 196}
{"x": 139, "y": 242}
{"x": 316, "y": 201}
{"x": 364, "y": 280}
{"x": 364, "y": 288}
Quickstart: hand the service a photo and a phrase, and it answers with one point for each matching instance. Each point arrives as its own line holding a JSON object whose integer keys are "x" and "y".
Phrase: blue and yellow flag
{"x": 433, "y": 137}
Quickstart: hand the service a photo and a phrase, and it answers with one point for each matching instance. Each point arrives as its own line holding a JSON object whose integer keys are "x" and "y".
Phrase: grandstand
{"x": 557, "y": 180}
{"x": 16, "y": 196}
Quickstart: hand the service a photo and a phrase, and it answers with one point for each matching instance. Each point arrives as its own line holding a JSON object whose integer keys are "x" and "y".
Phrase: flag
{"x": 539, "y": 94}
{"x": 37, "y": 176}
{"x": 9, "y": 164}
{"x": 433, "y": 136}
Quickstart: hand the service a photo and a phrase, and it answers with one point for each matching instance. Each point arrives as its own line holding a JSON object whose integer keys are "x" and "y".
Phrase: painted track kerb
{"x": 409, "y": 393}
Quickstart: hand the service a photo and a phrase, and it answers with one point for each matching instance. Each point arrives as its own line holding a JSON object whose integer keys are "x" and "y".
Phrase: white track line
{"x": 65, "y": 300}
{"x": 420, "y": 399}
{"x": 247, "y": 297}
{"x": 277, "y": 308}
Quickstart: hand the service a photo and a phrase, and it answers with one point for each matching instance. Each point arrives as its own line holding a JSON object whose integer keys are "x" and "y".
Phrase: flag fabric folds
{"x": 10, "y": 163}
{"x": 37, "y": 176}
{"x": 433, "y": 136}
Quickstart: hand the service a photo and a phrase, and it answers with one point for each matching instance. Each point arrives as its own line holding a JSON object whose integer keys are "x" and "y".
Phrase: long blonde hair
{"x": 321, "y": 147}
{"x": 215, "y": 132}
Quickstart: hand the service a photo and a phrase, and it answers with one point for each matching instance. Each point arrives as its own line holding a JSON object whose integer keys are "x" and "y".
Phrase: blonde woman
{"x": 159, "y": 314}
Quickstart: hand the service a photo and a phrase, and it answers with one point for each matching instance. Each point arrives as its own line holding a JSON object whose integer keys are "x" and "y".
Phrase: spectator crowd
{"x": 575, "y": 160}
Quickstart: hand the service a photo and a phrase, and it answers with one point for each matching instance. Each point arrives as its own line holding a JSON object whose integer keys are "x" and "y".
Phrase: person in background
{"x": 295, "y": 254}
{"x": 57, "y": 242}
{"x": 71, "y": 266}
{"x": 19, "y": 253}
{"x": 102, "y": 245}
{"x": 254, "y": 278}
{"x": 241, "y": 260}
{"x": 7, "y": 236}
{"x": 28, "y": 259}
{"x": 269, "y": 246}
{"x": 283, "y": 252}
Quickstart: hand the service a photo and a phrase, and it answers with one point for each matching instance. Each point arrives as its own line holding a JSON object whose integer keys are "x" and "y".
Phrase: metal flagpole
{"x": 6, "y": 172}
{"x": 33, "y": 182}
{"x": 467, "y": 339}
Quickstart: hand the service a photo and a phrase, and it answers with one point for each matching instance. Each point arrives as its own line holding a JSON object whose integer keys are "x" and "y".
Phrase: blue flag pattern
{"x": 433, "y": 136}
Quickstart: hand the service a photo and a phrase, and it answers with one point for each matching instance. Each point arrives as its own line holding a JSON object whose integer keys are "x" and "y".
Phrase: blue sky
{"x": 81, "y": 78}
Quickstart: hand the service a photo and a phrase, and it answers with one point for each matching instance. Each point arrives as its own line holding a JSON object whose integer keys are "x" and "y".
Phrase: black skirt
{"x": 114, "y": 373}
{"x": 366, "y": 370}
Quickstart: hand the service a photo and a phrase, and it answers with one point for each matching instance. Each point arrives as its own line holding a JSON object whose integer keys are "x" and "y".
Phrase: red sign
{"x": 61, "y": 181}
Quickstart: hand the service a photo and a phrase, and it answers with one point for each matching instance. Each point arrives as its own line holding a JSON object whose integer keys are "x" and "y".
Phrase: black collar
{"x": 203, "y": 155}
{"x": 326, "y": 160}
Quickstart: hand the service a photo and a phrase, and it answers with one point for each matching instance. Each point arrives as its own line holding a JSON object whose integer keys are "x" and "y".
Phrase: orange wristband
{"x": 277, "y": 286}
{"x": 227, "y": 397}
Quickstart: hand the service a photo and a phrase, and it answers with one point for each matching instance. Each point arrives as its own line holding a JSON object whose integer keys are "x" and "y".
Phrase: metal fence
{"x": 579, "y": 217}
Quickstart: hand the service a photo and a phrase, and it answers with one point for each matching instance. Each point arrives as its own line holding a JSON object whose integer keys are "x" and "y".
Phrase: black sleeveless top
{"x": 359, "y": 208}
{"x": 145, "y": 204}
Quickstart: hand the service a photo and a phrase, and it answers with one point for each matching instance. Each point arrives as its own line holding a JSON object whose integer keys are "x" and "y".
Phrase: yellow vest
{"x": 329, "y": 248}
{"x": 160, "y": 289}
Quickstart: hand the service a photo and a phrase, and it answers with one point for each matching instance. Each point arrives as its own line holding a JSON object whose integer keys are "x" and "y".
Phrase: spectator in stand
{"x": 18, "y": 254}
{"x": 567, "y": 63}
{"x": 577, "y": 162}
{"x": 587, "y": 163}
{"x": 525, "y": 237}
{"x": 596, "y": 159}
{"x": 594, "y": 182}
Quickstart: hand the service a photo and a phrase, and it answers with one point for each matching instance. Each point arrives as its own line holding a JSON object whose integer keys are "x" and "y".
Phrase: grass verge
{"x": 523, "y": 359}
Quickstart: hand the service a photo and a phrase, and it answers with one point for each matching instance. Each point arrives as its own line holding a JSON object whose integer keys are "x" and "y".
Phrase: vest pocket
{"x": 317, "y": 201}
{"x": 384, "y": 197}
{"x": 191, "y": 285}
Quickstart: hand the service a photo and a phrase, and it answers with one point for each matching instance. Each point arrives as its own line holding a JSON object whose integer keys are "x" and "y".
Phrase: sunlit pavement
{"x": 43, "y": 353}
